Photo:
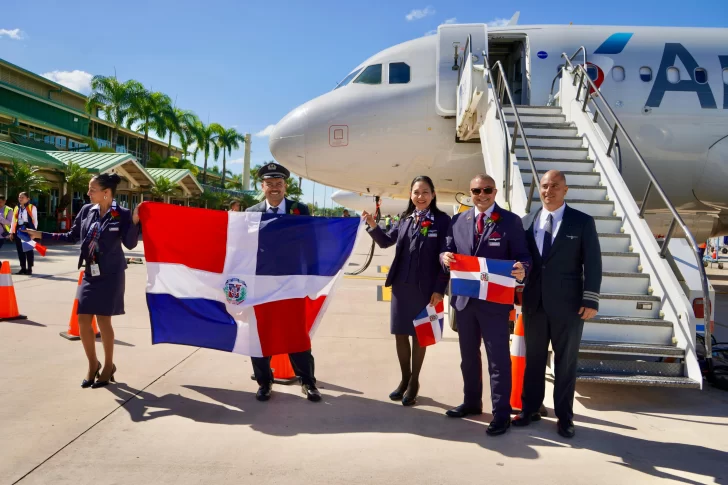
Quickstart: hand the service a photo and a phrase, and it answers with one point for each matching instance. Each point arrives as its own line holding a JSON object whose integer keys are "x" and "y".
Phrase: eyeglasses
{"x": 486, "y": 190}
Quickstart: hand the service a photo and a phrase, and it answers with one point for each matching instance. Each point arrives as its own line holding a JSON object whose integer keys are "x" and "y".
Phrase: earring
{"x": 105, "y": 197}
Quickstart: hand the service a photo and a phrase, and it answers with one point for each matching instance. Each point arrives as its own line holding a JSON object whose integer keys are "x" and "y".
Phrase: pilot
{"x": 273, "y": 178}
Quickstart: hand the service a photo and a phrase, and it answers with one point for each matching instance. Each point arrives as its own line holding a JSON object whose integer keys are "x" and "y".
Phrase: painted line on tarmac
{"x": 102, "y": 419}
{"x": 384, "y": 293}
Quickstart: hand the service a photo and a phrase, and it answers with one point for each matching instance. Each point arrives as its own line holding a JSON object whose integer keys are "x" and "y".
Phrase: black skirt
{"x": 101, "y": 295}
{"x": 407, "y": 302}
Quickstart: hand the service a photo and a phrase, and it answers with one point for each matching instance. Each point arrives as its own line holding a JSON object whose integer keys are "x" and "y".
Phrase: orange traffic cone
{"x": 282, "y": 369}
{"x": 8, "y": 303}
{"x": 73, "y": 332}
{"x": 518, "y": 364}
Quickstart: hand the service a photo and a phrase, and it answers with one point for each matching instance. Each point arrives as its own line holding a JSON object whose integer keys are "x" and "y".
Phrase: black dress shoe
{"x": 312, "y": 394}
{"x": 462, "y": 411}
{"x": 543, "y": 411}
{"x": 498, "y": 427}
{"x": 566, "y": 428}
{"x": 264, "y": 392}
{"x": 86, "y": 383}
{"x": 22, "y": 271}
{"x": 523, "y": 419}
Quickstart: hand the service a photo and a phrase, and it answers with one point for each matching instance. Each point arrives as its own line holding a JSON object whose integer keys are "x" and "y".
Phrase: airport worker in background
{"x": 25, "y": 216}
{"x": 486, "y": 231}
{"x": 273, "y": 181}
{"x": 416, "y": 277}
{"x": 562, "y": 291}
{"x": 102, "y": 226}
{"x": 6, "y": 220}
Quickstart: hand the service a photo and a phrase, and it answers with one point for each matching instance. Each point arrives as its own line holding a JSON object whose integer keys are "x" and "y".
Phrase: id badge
{"x": 95, "y": 270}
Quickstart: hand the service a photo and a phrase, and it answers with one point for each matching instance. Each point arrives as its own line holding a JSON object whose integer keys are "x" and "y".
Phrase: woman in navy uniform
{"x": 103, "y": 227}
{"x": 416, "y": 276}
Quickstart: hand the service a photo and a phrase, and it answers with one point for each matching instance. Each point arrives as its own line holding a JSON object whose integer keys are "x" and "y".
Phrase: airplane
{"x": 387, "y": 121}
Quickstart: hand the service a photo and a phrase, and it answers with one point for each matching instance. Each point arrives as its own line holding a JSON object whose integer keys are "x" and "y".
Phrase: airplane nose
{"x": 287, "y": 141}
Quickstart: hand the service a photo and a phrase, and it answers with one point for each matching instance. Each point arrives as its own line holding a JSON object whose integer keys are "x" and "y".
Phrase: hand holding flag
{"x": 29, "y": 244}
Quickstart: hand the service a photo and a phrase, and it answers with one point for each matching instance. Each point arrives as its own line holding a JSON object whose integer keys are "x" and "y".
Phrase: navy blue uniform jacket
{"x": 432, "y": 277}
{"x": 111, "y": 255}
{"x": 507, "y": 240}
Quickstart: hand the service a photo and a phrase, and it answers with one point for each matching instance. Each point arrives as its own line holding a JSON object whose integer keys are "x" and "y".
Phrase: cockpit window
{"x": 371, "y": 75}
{"x": 348, "y": 79}
{"x": 399, "y": 73}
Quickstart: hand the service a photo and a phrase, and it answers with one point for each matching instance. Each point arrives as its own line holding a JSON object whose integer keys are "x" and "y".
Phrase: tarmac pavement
{"x": 182, "y": 415}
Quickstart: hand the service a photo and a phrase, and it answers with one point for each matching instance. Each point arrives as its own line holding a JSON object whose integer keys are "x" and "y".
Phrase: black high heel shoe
{"x": 88, "y": 383}
{"x": 98, "y": 384}
{"x": 410, "y": 399}
{"x": 398, "y": 393}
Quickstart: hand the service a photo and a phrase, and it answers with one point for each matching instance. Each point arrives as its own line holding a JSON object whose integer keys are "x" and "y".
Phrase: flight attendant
{"x": 25, "y": 216}
{"x": 103, "y": 226}
{"x": 416, "y": 276}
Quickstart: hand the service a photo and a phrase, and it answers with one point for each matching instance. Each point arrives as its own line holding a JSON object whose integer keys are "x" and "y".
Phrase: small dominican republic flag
{"x": 484, "y": 279}
{"x": 428, "y": 324}
{"x": 258, "y": 286}
{"x": 29, "y": 244}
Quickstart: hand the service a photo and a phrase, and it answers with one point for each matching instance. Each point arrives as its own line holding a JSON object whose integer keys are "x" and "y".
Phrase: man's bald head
{"x": 484, "y": 177}
{"x": 480, "y": 184}
{"x": 553, "y": 190}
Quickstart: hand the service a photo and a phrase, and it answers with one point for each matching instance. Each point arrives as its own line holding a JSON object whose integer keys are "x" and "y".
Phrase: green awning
{"x": 12, "y": 151}
{"x": 180, "y": 176}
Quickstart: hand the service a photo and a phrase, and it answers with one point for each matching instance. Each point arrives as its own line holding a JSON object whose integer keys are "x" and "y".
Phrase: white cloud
{"x": 431, "y": 32}
{"x": 497, "y": 22}
{"x": 77, "y": 80}
{"x": 16, "y": 34}
{"x": 418, "y": 14}
{"x": 453, "y": 20}
{"x": 237, "y": 161}
{"x": 266, "y": 132}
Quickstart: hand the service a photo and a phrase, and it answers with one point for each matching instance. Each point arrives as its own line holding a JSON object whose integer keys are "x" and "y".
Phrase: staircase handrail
{"x": 579, "y": 71}
{"x": 559, "y": 73}
{"x": 499, "y": 91}
{"x": 506, "y": 136}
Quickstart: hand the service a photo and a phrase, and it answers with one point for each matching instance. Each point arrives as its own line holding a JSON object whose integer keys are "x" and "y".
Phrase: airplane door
{"x": 451, "y": 39}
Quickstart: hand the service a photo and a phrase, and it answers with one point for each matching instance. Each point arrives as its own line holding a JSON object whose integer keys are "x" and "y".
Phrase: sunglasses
{"x": 486, "y": 190}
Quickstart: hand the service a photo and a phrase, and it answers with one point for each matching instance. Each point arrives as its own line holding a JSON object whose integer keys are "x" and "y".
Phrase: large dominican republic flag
{"x": 246, "y": 282}
{"x": 484, "y": 279}
{"x": 429, "y": 323}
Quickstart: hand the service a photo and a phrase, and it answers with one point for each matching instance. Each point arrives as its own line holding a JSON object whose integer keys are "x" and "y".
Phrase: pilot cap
{"x": 273, "y": 170}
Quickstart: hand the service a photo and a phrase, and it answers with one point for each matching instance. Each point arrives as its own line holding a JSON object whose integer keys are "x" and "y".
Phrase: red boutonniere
{"x": 494, "y": 217}
{"x": 295, "y": 210}
{"x": 425, "y": 226}
{"x": 114, "y": 214}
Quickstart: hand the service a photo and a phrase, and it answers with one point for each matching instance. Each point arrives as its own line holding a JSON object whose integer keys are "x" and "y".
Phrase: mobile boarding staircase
{"x": 645, "y": 332}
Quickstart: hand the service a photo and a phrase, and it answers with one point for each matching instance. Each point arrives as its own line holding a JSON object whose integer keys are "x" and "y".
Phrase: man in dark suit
{"x": 561, "y": 292}
{"x": 273, "y": 178}
{"x": 486, "y": 231}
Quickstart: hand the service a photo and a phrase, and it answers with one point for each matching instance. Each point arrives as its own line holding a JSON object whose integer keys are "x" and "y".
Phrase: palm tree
{"x": 114, "y": 98}
{"x": 163, "y": 187}
{"x": 175, "y": 121}
{"x": 147, "y": 109}
{"x": 227, "y": 141}
{"x": 205, "y": 136}
{"x": 77, "y": 179}
{"x": 93, "y": 147}
{"x": 235, "y": 182}
{"x": 157, "y": 161}
{"x": 24, "y": 177}
{"x": 254, "y": 175}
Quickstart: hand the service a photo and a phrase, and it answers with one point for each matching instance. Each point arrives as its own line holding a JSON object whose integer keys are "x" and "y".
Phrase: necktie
{"x": 479, "y": 227}
{"x": 274, "y": 209}
{"x": 547, "y": 236}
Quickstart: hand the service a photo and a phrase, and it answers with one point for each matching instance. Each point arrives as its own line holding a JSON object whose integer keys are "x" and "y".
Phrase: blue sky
{"x": 247, "y": 64}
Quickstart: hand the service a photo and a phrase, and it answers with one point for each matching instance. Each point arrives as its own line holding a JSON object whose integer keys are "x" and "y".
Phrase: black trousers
{"x": 302, "y": 363}
{"x": 488, "y": 322}
{"x": 564, "y": 332}
{"x": 26, "y": 259}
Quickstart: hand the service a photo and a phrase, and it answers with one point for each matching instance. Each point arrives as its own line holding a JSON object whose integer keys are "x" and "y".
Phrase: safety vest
{"x": 6, "y": 212}
{"x": 29, "y": 211}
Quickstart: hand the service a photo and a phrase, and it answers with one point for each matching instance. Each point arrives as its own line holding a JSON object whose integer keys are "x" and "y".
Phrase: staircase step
{"x": 585, "y": 178}
{"x": 623, "y": 305}
{"x": 565, "y": 153}
{"x": 629, "y": 366}
{"x": 544, "y": 164}
{"x": 622, "y": 348}
{"x": 638, "y": 380}
{"x": 620, "y": 262}
{"x": 591, "y": 207}
{"x": 545, "y": 129}
{"x": 608, "y": 223}
{"x": 630, "y": 330}
{"x": 537, "y": 117}
{"x": 529, "y": 109}
{"x": 582, "y": 192}
{"x": 559, "y": 141}
{"x": 614, "y": 242}
{"x": 625, "y": 282}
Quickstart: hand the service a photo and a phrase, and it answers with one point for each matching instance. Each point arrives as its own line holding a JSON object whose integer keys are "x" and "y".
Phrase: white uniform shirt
{"x": 23, "y": 218}
{"x": 281, "y": 207}
{"x": 558, "y": 216}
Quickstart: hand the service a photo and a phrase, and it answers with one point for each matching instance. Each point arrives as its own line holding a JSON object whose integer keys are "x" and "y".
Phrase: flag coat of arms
{"x": 429, "y": 324}
{"x": 255, "y": 284}
{"x": 482, "y": 278}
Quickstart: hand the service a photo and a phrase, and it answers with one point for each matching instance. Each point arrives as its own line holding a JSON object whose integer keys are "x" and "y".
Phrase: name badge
{"x": 432, "y": 235}
{"x": 113, "y": 229}
{"x": 493, "y": 243}
{"x": 95, "y": 270}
